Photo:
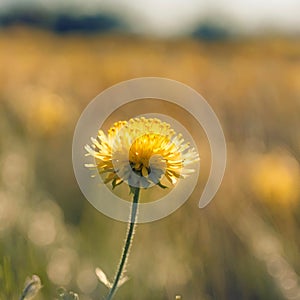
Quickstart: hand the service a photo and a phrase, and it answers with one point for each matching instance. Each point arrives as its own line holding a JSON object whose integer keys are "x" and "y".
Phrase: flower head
{"x": 141, "y": 152}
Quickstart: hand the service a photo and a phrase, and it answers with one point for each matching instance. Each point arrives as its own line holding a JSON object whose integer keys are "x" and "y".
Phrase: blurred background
{"x": 242, "y": 56}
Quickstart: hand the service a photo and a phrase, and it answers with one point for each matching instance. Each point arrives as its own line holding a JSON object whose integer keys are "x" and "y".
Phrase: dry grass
{"x": 245, "y": 245}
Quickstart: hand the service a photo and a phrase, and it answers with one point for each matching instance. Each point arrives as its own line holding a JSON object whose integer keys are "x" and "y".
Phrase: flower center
{"x": 142, "y": 149}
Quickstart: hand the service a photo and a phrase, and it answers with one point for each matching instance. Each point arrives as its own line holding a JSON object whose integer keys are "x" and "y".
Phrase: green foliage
{"x": 7, "y": 278}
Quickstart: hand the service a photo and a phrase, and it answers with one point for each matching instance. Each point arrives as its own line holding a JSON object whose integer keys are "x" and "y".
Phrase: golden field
{"x": 244, "y": 245}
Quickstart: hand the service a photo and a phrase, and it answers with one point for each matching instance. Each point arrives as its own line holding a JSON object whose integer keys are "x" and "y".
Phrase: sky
{"x": 171, "y": 17}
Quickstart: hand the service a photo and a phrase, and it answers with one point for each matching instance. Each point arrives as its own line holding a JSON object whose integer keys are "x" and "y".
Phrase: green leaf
{"x": 161, "y": 185}
{"x": 116, "y": 182}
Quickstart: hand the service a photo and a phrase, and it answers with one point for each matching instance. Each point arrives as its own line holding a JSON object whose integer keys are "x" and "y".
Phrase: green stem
{"x": 128, "y": 242}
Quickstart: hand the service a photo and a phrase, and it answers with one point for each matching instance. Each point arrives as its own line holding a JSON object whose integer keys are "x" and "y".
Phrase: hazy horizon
{"x": 173, "y": 17}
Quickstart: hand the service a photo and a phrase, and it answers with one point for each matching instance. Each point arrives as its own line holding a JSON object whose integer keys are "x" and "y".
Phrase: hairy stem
{"x": 128, "y": 242}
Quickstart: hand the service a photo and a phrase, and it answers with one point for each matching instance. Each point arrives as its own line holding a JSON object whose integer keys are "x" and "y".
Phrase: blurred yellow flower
{"x": 43, "y": 111}
{"x": 141, "y": 152}
{"x": 275, "y": 178}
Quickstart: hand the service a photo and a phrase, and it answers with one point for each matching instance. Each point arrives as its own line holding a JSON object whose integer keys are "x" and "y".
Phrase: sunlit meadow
{"x": 244, "y": 245}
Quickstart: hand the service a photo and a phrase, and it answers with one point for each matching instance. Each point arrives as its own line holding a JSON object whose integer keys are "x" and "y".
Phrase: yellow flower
{"x": 275, "y": 178}
{"x": 141, "y": 152}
